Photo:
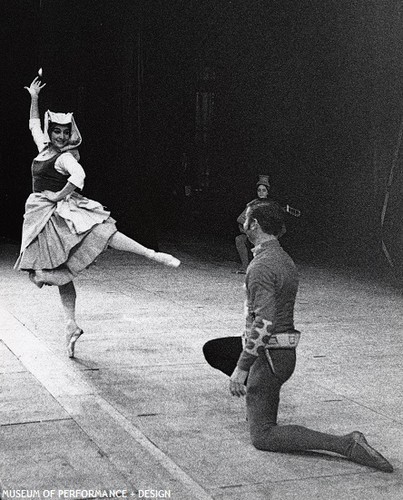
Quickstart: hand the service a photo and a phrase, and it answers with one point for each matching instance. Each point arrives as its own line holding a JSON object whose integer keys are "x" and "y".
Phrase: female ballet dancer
{"x": 64, "y": 232}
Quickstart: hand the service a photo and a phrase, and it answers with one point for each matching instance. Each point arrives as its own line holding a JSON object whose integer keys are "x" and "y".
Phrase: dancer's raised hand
{"x": 35, "y": 87}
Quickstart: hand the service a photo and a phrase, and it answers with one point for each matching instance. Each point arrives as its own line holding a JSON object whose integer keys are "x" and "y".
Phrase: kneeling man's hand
{"x": 237, "y": 382}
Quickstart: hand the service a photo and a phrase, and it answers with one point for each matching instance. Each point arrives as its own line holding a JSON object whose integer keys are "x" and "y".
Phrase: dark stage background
{"x": 199, "y": 97}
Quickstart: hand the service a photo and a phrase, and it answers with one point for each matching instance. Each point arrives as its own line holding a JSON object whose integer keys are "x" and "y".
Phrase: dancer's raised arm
{"x": 34, "y": 89}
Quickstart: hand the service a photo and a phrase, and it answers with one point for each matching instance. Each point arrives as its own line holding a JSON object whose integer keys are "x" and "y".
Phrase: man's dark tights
{"x": 262, "y": 400}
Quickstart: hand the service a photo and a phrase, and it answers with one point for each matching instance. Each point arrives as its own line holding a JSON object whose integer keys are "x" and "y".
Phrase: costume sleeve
{"x": 67, "y": 164}
{"x": 37, "y": 133}
{"x": 261, "y": 315}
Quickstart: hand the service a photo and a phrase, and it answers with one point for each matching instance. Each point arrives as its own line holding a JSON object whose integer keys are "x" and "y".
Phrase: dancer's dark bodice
{"x": 45, "y": 176}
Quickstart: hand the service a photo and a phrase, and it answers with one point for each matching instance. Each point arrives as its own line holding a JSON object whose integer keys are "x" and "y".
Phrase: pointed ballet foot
{"x": 71, "y": 339}
{"x": 166, "y": 259}
{"x": 362, "y": 453}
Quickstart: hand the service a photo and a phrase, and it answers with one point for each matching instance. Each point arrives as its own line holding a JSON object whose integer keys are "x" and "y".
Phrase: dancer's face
{"x": 60, "y": 136}
{"x": 262, "y": 192}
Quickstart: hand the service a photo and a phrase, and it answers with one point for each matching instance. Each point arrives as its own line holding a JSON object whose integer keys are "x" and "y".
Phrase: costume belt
{"x": 285, "y": 340}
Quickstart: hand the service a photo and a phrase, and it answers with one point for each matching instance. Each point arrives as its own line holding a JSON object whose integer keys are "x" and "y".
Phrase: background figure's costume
{"x": 61, "y": 239}
{"x": 242, "y": 243}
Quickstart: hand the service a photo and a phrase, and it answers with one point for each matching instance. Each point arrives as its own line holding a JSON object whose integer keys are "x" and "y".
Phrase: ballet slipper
{"x": 166, "y": 259}
{"x": 362, "y": 453}
{"x": 163, "y": 258}
{"x": 71, "y": 339}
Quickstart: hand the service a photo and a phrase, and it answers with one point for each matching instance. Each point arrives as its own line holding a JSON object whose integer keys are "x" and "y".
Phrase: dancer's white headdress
{"x": 63, "y": 119}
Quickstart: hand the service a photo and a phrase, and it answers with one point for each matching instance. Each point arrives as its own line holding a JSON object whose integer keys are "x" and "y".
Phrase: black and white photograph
{"x": 201, "y": 249}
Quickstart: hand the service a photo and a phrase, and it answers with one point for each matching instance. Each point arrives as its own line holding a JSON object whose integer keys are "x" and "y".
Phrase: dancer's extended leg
{"x": 120, "y": 241}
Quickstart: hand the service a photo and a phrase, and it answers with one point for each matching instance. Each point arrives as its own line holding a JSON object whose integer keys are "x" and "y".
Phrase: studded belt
{"x": 285, "y": 340}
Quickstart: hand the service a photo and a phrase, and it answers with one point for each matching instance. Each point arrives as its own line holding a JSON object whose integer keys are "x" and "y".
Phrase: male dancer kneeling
{"x": 267, "y": 360}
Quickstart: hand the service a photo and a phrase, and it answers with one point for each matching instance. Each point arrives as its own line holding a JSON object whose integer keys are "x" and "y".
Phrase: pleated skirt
{"x": 66, "y": 237}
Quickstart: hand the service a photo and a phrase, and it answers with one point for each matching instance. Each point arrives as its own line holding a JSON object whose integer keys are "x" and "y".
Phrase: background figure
{"x": 242, "y": 243}
{"x": 64, "y": 232}
{"x": 268, "y": 355}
